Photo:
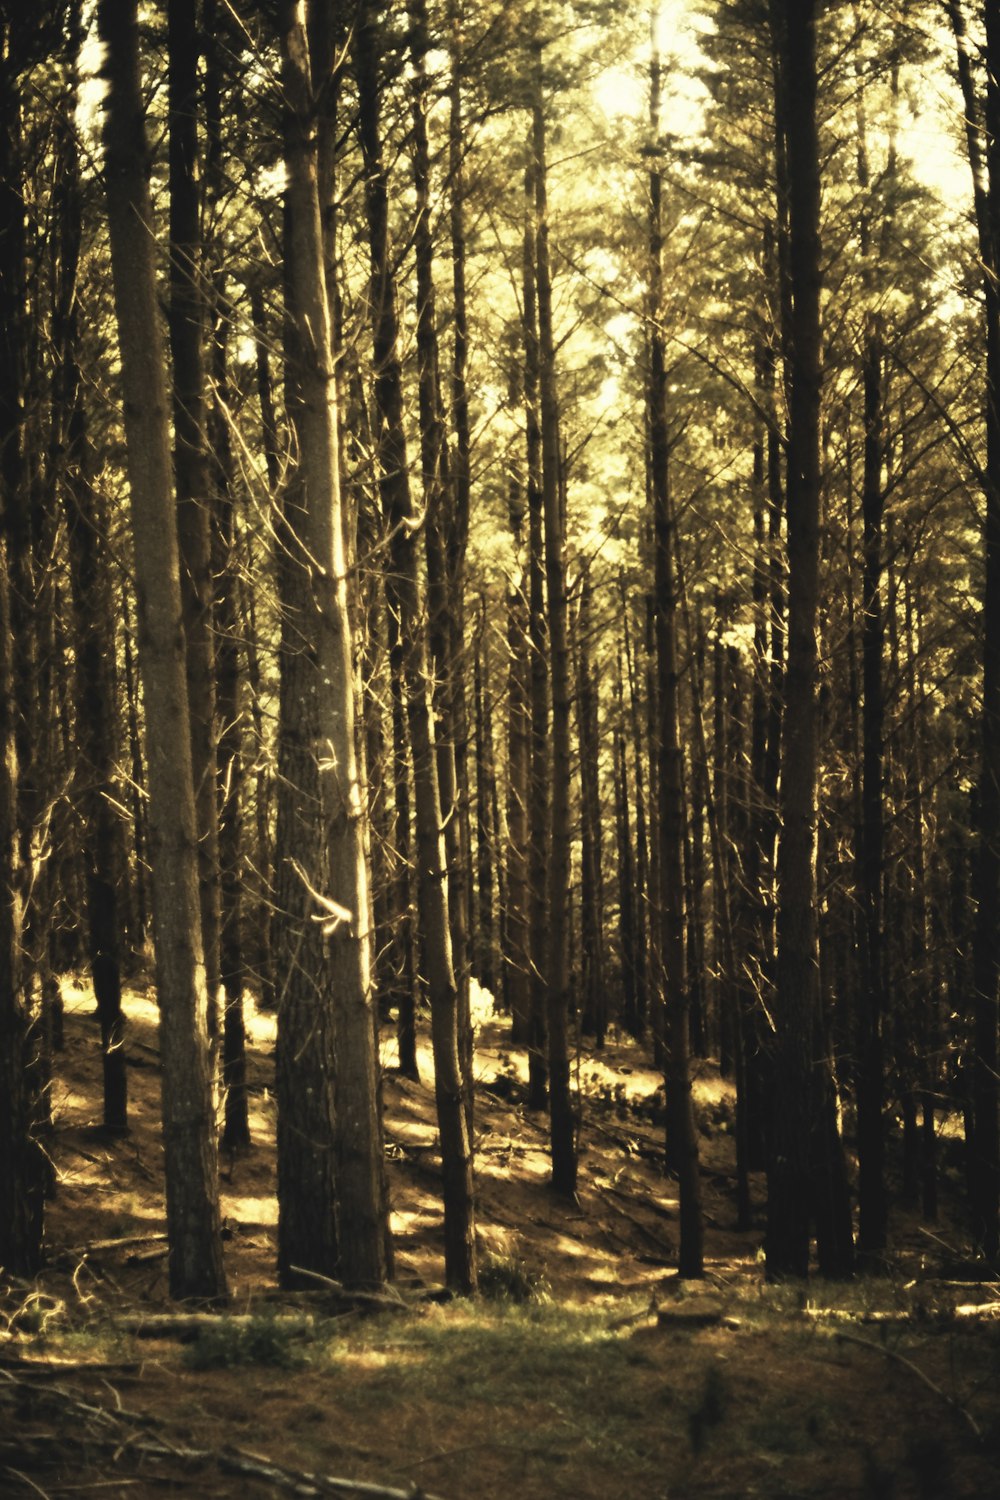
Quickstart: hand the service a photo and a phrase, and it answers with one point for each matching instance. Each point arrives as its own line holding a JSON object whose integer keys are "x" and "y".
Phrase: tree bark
{"x": 404, "y": 602}
{"x": 186, "y": 321}
{"x": 193, "y": 1224}
{"x": 562, "y": 1124}
{"x": 317, "y": 573}
{"x": 803, "y": 1170}
{"x": 682, "y": 1138}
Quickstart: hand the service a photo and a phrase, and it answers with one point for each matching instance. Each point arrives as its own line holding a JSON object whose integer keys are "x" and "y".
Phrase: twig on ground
{"x": 901, "y": 1359}
{"x": 388, "y": 1298}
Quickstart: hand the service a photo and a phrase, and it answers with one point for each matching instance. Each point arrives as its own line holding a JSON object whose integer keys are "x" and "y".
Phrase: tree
{"x": 193, "y": 1222}
{"x": 803, "y": 1177}
{"x": 982, "y": 116}
{"x": 405, "y": 605}
{"x": 682, "y": 1139}
{"x": 334, "y": 1001}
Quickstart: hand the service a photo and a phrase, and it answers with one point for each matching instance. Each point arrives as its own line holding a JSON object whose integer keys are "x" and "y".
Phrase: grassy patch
{"x": 255, "y": 1341}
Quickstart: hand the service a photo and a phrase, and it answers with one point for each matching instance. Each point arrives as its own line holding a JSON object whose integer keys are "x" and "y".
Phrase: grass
{"x": 257, "y": 1341}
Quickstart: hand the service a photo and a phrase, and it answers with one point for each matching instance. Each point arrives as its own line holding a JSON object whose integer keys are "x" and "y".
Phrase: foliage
{"x": 259, "y": 1340}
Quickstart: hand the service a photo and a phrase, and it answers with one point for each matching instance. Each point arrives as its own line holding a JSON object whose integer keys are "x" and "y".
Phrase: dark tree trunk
{"x": 803, "y": 1167}
{"x": 682, "y": 1137}
{"x": 22, "y": 1164}
{"x": 538, "y": 786}
{"x": 444, "y": 530}
{"x": 871, "y": 1185}
{"x": 643, "y": 898}
{"x": 228, "y": 680}
{"x": 983, "y": 137}
{"x": 97, "y": 716}
{"x": 405, "y": 605}
{"x": 516, "y": 929}
{"x": 556, "y": 970}
{"x": 593, "y": 996}
{"x": 186, "y": 320}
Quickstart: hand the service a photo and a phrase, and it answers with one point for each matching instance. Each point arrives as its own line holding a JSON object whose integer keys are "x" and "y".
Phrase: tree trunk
{"x": 403, "y": 598}
{"x": 317, "y": 572}
{"x": 802, "y": 1167}
{"x": 22, "y": 1164}
{"x": 186, "y": 320}
{"x": 538, "y": 787}
{"x": 516, "y": 926}
{"x": 445, "y": 573}
{"x": 193, "y": 1224}
{"x": 228, "y": 678}
{"x": 983, "y": 125}
{"x": 97, "y": 715}
{"x": 556, "y": 971}
{"x": 682, "y": 1137}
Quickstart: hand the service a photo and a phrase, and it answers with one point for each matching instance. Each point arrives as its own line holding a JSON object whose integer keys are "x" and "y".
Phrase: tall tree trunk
{"x": 97, "y": 715}
{"x": 516, "y": 927}
{"x": 983, "y": 138}
{"x": 22, "y": 1164}
{"x": 538, "y": 787}
{"x": 593, "y": 997}
{"x": 317, "y": 569}
{"x": 557, "y": 968}
{"x": 682, "y": 1137}
{"x": 404, "y": 602}
{"x": 193, "y": 1223}
{"x": 186, "y": 320}
{"x": 228, "y": 678}
{"x": 445, "y": 582}
{"x": 643, "y": 883}
{"x": 802, "y": 1171}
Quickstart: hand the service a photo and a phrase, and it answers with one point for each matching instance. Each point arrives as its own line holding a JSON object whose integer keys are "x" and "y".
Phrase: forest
{"x": 500, "y": 736}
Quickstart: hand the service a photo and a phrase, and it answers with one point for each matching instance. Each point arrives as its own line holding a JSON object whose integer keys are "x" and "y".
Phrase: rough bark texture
{"x": 193, "y": 1226}
{"x": 316, "y": 572}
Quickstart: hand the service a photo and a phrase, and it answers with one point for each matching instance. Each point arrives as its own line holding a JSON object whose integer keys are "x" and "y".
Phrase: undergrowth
{"x": 254, "y": 1341}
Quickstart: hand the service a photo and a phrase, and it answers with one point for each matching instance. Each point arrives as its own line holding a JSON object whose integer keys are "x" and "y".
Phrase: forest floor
{"x": 586, "y": 1369}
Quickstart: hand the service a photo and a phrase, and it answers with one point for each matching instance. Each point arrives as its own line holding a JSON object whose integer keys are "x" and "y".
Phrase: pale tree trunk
{"x": 317, "y": 565}
{"x": 193, "y": 1224}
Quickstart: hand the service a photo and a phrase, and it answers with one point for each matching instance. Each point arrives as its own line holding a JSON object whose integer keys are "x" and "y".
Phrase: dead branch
{"x": 901, "y": 1359}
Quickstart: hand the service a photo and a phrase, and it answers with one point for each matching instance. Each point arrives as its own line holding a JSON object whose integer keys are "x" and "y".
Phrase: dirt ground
{"x": 585, "y": 1370}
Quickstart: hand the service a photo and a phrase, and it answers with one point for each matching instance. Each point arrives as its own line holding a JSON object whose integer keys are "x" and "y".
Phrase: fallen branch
{"x": 120, "y": 1243}
{"x": 190, "y": 1325}
{"x": 901, "y": 1359}
{"x": 387, "y": 1298}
